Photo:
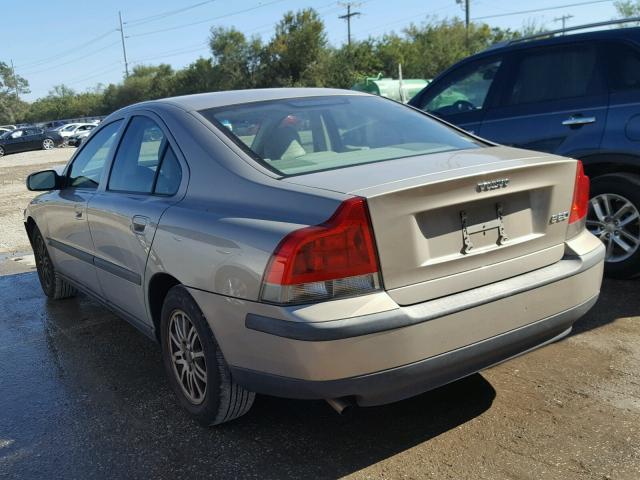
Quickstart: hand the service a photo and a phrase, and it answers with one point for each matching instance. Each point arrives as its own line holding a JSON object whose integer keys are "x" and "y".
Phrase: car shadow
{"x": 618, "y": 299}
{"x": 89, "y": 380}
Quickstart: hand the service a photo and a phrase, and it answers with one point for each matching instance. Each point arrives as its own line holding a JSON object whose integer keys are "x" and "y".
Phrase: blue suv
{"x": 574, "y": 95}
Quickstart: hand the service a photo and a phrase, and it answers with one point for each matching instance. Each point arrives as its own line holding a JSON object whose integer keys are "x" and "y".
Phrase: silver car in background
{"x": 315, "y": 244}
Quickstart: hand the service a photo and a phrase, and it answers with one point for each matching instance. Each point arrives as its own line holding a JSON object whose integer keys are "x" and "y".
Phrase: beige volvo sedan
{"x": 315, "y": 244}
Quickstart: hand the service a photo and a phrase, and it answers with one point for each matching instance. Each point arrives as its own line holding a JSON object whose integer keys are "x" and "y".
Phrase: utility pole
{"x": 347, "y": 17}
{"x": 124, "y": 49}
{"x": 15, "y": 80}
{"x": 563, "y": 19}
{"x": 467, "y": 14}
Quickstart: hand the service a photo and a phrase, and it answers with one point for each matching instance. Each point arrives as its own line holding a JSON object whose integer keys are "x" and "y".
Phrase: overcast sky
{"x": 76, "y": 43}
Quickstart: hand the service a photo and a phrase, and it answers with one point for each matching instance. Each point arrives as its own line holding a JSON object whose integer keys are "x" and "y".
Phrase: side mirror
{"x": 43, "y": 181}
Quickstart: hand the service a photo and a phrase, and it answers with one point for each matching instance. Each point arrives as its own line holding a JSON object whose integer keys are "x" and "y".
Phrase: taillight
{"x": 580, "y": 204}
{"x": 334, "y": 259}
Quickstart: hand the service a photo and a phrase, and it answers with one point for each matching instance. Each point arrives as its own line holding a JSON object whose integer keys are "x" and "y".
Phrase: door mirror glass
{"x": 43, "y": 181}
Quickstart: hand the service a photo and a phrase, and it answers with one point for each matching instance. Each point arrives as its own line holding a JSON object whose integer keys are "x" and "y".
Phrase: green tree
{"x": 12, "y": 109}
{"x": 627, "y": 8}
{"x": 294, "y": 56}
{"x": 236, "y": 59}
{"x": 197, "y": 77}
{"x": 144, "y": 83}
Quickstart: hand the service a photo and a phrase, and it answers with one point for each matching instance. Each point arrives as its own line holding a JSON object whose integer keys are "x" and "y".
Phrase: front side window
{"x": 294, "y": 136}
{"x": 145, "y": 158}
{"x": 466, "y": 91}
{"x": 554, "y": 74}
{"x": 88, "y": 165}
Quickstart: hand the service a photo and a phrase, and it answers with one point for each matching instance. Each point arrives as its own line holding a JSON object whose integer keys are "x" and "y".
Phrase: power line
{"x": 535, "y": 10}
{"x": 186, "y": 25}
{"x": 152, "y": 18}
{"x": 171, "y": 53}
{"x": 95, "y": 73}
{"x": 55, "y": 67}
{"x": 55, "y": 57}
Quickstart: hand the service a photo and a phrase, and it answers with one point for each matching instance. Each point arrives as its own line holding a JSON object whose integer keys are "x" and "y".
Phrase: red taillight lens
{"x": 335, "y": 258}
{"x": 580, "y": 204}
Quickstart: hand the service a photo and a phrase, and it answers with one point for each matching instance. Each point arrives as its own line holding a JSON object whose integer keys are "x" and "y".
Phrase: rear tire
{"x": 614, "y": 217}
{"x": 194, "y": 363}
{"x": 52, "y": 284}
{"x": 1, "y": 152}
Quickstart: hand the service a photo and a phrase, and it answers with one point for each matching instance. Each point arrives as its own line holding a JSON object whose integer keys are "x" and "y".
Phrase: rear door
{"x": 463, "y": 95}
{"x": 622, "y": 135}
{"x": 554, "y": 100}
{"x": 31, "y": 139}
{"x": 145, "y": 178}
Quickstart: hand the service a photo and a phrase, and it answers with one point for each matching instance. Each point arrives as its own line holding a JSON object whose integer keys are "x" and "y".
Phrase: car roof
{"x": 202, "y": 101}
{"x": 632, "y": 34}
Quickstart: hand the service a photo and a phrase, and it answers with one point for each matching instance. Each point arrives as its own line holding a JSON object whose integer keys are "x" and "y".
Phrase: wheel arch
{"x": 606, "y": 163}
{"x": 29, "y": 225}
{"x": 159, "y": 285}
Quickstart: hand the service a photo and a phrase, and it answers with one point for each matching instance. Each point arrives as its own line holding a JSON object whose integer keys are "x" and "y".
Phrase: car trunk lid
{"x": 461, "y": 219}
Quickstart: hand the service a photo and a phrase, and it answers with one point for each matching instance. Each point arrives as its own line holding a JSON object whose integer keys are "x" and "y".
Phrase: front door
{"x": 462, "y": 96}
{"x": 14, "y": 143}
{"x": 123, "y": 217}
{"x": 68, "y": 235}
{"x": 554, "y": 101}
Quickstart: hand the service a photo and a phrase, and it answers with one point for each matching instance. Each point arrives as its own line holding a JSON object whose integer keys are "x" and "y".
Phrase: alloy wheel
{"x": 43, "y": 263}
{"x": 47, "y": 144}
{"x": 1, "y": 151}
{"x": 616, "y": 221}
{"x": 187, "y": 357}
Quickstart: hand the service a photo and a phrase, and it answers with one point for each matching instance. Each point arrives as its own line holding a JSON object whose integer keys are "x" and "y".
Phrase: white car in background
{"x": 72, "y": 129}
{"x": 77, "y": 139}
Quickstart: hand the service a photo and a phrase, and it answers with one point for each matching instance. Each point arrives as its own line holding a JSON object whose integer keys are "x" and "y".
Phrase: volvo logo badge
{"x": 492, "y": 185}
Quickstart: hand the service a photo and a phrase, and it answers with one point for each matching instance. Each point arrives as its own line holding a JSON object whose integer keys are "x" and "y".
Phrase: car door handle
{"x": 79, "y": 212}
{"x": 139, "y": 224}
{"x": 573, "y": 121}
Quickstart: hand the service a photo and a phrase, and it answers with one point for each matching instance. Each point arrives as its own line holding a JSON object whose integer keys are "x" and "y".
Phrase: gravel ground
{"x": 83, "y": 395}
{"x": 14, "y": 196}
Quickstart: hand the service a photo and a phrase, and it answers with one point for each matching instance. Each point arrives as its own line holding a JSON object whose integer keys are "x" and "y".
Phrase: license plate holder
{"x": 468, "y": 230}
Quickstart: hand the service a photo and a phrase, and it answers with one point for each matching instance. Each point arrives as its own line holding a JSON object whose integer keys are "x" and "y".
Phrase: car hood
{"x": 373, "y": 178}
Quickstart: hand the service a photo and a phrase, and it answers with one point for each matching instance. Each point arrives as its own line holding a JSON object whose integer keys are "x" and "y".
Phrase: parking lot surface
{"x": 83, "y": 395}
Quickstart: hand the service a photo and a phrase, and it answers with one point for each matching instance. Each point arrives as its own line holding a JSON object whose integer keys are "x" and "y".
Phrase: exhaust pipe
{"x": 339, "y": 404}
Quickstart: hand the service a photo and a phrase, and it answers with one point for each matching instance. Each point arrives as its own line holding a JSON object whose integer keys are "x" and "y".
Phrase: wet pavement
{"x": 83, "y": 395}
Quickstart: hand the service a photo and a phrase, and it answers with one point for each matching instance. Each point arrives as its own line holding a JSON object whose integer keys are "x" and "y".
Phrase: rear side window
{"x": 624, "y": 68}
{"x": 139, "y": 161}
{"x": 87, "y": 167}
{"x": 555, "y": 74}
{"x": 169, "y": 175}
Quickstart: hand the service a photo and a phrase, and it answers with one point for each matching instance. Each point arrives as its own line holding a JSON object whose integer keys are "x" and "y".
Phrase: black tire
{"x": 626, "y": 186}
{"x": 223, "y": 399}
{"x": 1, "y": 152}
{"x": 52, "y": 284}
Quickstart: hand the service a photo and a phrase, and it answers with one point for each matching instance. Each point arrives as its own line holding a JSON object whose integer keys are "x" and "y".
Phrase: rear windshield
{"x": 296, "y": 136}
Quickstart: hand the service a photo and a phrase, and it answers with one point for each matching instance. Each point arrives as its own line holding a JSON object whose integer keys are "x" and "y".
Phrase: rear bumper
{"x": 373, "y": 349}
{"x": 409, "y": 380}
